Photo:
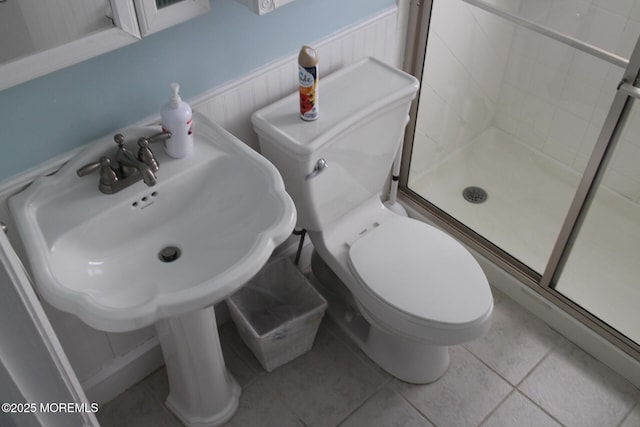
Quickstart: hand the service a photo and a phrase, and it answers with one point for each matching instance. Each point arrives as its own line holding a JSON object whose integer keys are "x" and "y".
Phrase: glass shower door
{"x": 512, "y": 100}
{"x": 511, "y": 103}
{"x": 526, "y": 147}
{"x": 602, "y": 271}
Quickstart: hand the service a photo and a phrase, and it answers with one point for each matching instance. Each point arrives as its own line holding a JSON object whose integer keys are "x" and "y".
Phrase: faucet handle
{"x": 122, "y": 154}
{"x": 159, "y": 137}
{"x": 145, "y": 155}
{"x": 108, "y": 175}
{"x": 88, "y": 168}
{"x": 119, "y": 139}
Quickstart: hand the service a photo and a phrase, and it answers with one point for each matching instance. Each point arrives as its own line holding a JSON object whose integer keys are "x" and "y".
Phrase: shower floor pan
{"x": 530, "y": 195}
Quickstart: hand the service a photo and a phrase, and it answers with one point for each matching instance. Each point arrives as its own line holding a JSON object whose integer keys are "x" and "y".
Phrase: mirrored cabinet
{"x": 156, "y": 15}
{"x": 38, "y": 37}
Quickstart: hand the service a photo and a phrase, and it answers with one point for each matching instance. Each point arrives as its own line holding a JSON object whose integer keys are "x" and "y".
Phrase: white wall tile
{"x": 632, "y": 125}
{"x": 459, "y": 38}
{"x": 496, "y": 32}
{"x": 509, "y": 5}
{"x": 603, "y": 29}
{"x": 607, "y": 93}
{"x": 540, "y": 76}
{"x": 588, "y": 71}
{"x": 548, "y": 82}
{"x": 586, "y": 148}
{"x": 625, "y": 186}
{"x": 486, "y": 70}
{"x": 565, "y": 136}
{"x": 568, "y": 16}
{"x": 628, "y": 38}
{"x": 539, "y": 114}
{"x": 625, "y": 159}
{"x": 635, "y": 11}
{"x": 549, "y": 51}
{"x": 618, "y": 7}
{"x": 426, "y": 154}
{"x": 536, "y": 11}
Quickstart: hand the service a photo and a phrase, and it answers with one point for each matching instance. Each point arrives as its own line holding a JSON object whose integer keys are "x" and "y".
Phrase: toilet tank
{"x": 364, "y": 109}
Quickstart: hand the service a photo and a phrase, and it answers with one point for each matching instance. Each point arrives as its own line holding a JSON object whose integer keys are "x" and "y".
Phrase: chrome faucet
{"x": 129, "y": 165}
{"x": 127, "y": 168}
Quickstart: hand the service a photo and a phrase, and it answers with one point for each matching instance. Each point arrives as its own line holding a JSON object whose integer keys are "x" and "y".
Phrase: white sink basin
{"x": 97, "y": 255}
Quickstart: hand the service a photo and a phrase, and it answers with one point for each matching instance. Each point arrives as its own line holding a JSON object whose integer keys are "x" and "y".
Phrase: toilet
{"x": 401, "y": 289}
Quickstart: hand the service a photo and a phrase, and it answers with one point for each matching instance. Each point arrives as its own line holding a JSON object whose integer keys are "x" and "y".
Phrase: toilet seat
{"x": 418, "y": 270}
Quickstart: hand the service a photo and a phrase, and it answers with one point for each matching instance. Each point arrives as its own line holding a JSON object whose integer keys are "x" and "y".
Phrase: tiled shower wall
{"x": 465, "y": 61}
{"x": 550, "y": 96}
{"x": 107, "y": 363}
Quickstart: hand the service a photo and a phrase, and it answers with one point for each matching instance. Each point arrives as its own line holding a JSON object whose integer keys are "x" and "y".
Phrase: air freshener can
{"x": 308, "y": 83}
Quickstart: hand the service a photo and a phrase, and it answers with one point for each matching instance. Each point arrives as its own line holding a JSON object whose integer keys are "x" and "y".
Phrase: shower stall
{"x": 526, "y": 142}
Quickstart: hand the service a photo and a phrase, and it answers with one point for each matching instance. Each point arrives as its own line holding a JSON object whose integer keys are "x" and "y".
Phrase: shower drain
{"x": 475, "y": 195}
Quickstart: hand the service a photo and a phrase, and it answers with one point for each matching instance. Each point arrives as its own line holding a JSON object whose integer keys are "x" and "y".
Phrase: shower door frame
{"x": 543, "y": 284}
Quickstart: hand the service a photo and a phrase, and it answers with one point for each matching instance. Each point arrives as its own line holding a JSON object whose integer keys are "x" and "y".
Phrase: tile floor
{"x": 521, "y": 373}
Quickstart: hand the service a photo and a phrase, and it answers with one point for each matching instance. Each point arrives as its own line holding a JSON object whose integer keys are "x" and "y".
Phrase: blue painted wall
{"x": 63, "y": 110}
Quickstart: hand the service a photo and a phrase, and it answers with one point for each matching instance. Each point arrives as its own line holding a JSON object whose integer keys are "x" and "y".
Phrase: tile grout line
{"x": 360, "y": 355}
{"x": 376, "y": 391}
{"x": 359, "y": 359}
{"x": 513, "y": 387}
{"x": 542, "y": 359}
{"x": 493, "y": 411}
{"x": 487, "y": 366}
{"x": 423, "y": 415}
{"x": 517, "y": 387}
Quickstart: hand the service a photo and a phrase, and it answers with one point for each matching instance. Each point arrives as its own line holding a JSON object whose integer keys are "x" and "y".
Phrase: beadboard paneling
{"x": 231, "y": 106}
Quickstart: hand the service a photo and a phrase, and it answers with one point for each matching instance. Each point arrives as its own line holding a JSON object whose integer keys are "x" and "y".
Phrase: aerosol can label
{"x": 308, "y": 77}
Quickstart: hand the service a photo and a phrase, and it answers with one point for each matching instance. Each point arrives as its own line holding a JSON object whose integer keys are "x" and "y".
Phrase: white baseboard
{"x": 124, "y": 372}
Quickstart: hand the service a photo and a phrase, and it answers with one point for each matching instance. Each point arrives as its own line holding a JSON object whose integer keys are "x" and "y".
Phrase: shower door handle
{"x": 629, "y": 89}
{"x": 317, "y": 168}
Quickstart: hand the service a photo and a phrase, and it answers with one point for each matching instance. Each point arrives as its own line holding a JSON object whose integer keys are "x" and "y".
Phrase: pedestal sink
{"x": 160, "y": 255}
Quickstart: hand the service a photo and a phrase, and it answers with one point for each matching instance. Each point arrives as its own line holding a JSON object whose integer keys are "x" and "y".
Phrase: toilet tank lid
{"x": 344, "y": 97}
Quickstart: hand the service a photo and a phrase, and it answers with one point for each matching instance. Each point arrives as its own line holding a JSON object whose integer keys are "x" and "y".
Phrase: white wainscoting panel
{"x": 231, "y": 105}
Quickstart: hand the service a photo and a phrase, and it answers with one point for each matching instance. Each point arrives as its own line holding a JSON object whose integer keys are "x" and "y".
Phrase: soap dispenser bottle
{"x": 176, "y": 117}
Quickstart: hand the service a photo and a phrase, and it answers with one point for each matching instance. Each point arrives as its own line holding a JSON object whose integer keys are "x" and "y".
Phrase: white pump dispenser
{"x": 176, "y": 117}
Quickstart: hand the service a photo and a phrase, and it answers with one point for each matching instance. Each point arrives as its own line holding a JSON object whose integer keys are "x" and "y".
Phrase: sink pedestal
{"x": 201, "y": 390}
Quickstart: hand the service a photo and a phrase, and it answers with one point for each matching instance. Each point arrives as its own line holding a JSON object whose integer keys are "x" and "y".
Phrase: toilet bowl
{"x": 401, "y": 289}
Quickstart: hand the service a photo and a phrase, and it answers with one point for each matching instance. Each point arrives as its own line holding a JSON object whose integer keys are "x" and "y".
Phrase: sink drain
{"x": 169, "y": 254}
{"x": 475, "y": 195}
